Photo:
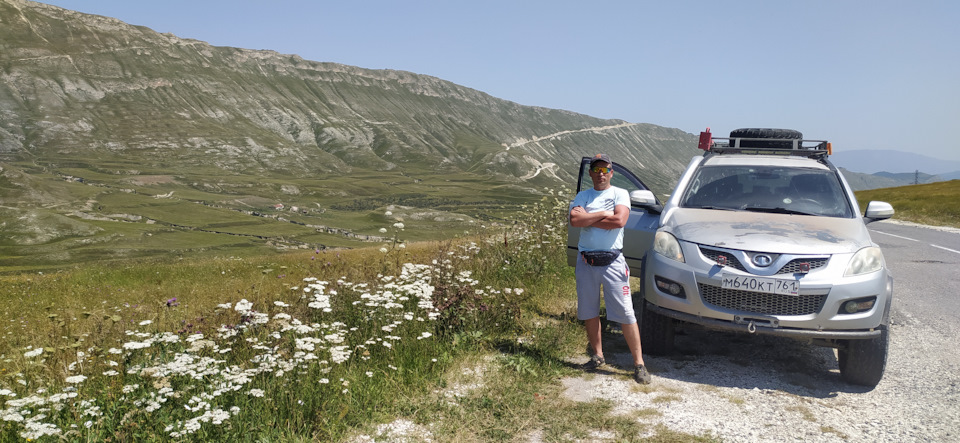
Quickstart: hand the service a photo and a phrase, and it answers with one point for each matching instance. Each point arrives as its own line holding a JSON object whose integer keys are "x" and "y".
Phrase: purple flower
{"x": 172, "y": 302}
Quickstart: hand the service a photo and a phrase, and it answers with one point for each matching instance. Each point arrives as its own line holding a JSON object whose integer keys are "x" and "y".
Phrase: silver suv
{"x": 762, "y": 235}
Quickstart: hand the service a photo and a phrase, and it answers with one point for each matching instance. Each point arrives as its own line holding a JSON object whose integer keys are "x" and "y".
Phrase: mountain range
{"x": 873, "y": 161}
{"x": 117, "y": 141}
{"x": 867, "y": 169}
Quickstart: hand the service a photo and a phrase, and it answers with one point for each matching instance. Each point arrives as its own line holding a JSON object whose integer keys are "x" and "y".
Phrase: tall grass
{"x": 299, "y": 346}
{"x": 935, "y": 204}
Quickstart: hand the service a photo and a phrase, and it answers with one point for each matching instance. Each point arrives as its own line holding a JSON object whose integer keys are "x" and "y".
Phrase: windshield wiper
{"x": 720, "y": 208}
{"x": 777, "y": 210}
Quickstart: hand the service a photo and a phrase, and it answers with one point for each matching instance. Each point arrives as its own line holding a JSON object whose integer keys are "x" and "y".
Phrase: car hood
{"x": 763, "y": 232}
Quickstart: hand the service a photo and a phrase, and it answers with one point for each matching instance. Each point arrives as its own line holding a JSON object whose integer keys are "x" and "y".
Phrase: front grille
{"x": 732, "y": 261}
{"x": 760, "y": 303}
{"x": 794, "y": 266}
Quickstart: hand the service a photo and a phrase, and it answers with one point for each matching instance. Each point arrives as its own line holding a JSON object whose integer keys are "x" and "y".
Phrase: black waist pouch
{"x": 600, "y": 258}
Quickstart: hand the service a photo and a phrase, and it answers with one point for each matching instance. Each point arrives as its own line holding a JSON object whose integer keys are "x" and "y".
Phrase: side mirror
{"x": 646, "y": 200}
{"x": 877, "y": 211}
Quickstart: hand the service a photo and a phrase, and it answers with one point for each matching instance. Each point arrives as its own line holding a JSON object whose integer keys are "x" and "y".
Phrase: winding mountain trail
{"x": 522, "y": 142}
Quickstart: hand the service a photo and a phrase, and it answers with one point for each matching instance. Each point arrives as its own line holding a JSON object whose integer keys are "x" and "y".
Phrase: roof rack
{"x": 765, "y": 146}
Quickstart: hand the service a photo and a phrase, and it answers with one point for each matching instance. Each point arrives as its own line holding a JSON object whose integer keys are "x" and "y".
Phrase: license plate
{"x": 760, "y": 284}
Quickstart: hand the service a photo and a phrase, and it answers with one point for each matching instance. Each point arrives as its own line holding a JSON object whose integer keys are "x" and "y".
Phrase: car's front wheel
{"x": 656, "y": 331}
{"x": 862, "y": 362}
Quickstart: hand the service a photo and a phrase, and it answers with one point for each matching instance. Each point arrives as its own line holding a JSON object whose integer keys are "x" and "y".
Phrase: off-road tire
{"x": 656, "y": 331}
{"x": 862, "y": 362}
{"x": 766, "y": 133}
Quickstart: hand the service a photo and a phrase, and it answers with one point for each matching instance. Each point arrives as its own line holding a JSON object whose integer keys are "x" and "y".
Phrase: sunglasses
{"x": 601, "y": 170}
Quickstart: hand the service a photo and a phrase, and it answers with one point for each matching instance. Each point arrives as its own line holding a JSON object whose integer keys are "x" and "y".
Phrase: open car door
{"x": 644, "y": 216}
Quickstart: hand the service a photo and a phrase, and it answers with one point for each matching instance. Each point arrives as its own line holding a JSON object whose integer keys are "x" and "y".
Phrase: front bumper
{"x": 814, "y": 313}
{"x": 754, "y": 328}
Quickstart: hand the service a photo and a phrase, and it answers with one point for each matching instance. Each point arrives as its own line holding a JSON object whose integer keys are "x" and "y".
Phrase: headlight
{"x": 865, "y": 261}
{"x": 667, "y": 245}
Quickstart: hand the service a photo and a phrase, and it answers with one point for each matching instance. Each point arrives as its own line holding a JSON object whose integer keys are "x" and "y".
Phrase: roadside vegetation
{"x": 306, "y": 346}
{"x": 463, "y": 339}
{"x": 936, "y": 204}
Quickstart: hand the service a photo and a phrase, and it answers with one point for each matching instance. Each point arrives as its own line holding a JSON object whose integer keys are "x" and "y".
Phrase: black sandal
{"x": 595, "y": 362}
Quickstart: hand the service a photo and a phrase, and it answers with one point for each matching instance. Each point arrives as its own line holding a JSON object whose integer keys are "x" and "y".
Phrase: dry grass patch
{"x": 661, "y": 399}
{"x": 803, "y": 411}
{"x": 832, "y": 430}
{"x": 645, "y": 389}
{"x": 646, "y": 413}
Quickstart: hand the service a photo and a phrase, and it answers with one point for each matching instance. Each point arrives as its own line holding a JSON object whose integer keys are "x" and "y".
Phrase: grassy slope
{"x": 936, "y": 204}
{"x": 517, "y": 344}
{"x": 223, "y": 215}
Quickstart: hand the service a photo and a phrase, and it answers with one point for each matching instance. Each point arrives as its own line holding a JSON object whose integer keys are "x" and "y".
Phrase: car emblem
{"x": 762, "y": 260}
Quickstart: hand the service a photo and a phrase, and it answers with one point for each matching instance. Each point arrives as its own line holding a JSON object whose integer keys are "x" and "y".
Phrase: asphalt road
{"x": 923, "y": 262}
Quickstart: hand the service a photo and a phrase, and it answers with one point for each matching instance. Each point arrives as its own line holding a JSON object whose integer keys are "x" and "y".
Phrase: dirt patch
{"x": 150, "y": 180}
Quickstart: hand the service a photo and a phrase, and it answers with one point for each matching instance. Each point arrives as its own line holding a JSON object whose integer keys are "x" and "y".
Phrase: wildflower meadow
{"x": 300, "y": 346}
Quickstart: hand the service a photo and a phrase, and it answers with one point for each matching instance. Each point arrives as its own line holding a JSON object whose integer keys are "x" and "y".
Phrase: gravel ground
{"x": 744, "y": 388}
{"x": 747, "y": 388}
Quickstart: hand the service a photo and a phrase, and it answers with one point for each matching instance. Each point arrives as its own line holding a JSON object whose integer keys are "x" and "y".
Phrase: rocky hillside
{"x": 89, "y": 100}
{"x": 863, "y": 182}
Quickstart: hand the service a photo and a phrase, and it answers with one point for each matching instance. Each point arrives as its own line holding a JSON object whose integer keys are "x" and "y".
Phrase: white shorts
{"x": 615, "y": 281}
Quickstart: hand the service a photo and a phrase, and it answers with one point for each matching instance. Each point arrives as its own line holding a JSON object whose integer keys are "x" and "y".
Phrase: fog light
{"x": 670, "y": 287}
{"x": 854, "y": 306}
{"x": 851, "y": 307}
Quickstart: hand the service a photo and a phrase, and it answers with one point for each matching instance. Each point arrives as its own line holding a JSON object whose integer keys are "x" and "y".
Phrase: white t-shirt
{"x": 599, "y": 239}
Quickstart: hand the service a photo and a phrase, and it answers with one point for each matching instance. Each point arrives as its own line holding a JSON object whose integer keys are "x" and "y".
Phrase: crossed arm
{"x": 580, "y": 218}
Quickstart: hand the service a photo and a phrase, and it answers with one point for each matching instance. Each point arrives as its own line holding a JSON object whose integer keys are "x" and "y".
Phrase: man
{"x": 601, "y": 213}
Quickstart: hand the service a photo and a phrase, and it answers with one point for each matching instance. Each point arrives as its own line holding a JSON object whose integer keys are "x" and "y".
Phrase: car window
{"x": 622, "y": 178}
{"x": 768, "y": 189}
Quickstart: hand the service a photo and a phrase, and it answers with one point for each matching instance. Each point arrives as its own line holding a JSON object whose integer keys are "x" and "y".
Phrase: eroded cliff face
{"x": 92, "y": 101}
{"x": 74, "y": 83}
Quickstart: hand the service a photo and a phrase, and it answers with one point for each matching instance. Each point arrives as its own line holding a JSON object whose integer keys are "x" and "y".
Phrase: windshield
{"x": 768, "y": 189}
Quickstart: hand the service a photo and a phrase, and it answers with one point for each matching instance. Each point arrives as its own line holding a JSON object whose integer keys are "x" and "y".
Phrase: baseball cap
{"x": 601, "y": 157}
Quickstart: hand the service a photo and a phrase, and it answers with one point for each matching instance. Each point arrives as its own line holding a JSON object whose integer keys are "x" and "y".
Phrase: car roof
{"x": 763, "y": 160}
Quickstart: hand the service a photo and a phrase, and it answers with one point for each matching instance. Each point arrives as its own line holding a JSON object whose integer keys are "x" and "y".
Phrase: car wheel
{"x": 656, "y": 331}
{"x": 862, "y": 362}
{"x": 766, "y": 133}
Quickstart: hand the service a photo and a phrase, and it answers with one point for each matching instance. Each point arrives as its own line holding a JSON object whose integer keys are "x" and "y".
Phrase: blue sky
{"x": 863, "y": 74}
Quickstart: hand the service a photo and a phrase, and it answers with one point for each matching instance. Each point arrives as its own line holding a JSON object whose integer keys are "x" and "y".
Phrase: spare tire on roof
{"x": 789, "y": 134}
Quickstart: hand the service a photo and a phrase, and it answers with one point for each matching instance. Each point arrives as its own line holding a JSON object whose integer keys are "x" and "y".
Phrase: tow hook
{"x": 752, "y": 323}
